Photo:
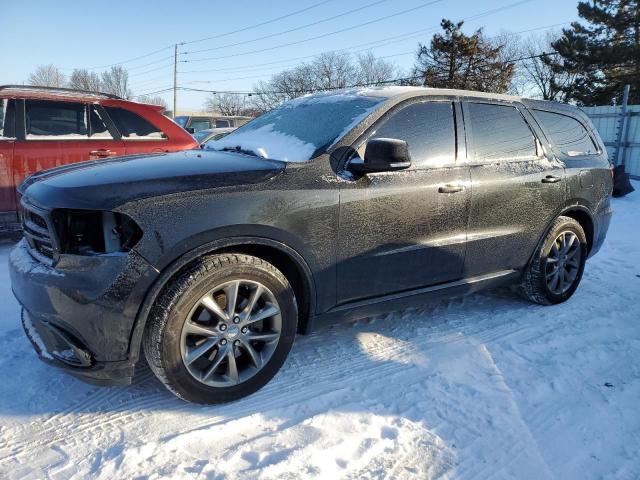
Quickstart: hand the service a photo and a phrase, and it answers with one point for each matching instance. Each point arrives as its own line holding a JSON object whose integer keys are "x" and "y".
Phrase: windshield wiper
{"x": 239, "y": 149}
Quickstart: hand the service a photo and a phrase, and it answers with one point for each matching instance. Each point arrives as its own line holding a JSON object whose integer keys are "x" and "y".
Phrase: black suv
{"x": 336, "y": 205}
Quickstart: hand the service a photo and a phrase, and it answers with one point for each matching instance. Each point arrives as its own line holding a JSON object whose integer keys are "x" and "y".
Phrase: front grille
{"x": 37, "y": 234}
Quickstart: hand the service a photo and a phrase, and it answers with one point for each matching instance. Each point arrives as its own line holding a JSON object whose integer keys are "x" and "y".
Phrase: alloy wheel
{"x": 231, "y": 333}
{"x": 563, "y": 262}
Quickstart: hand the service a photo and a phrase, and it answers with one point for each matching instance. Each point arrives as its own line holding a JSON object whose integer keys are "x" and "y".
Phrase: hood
{"x": 105, "y": 184}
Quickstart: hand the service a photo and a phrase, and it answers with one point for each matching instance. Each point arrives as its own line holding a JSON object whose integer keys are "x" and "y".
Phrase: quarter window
{"x": 566, "y": 133}
{"x": 46, "y": 120}
{"x": 133, "y": 126}
{"x": 428, "y": 129}
{"x": 499, "y": 132}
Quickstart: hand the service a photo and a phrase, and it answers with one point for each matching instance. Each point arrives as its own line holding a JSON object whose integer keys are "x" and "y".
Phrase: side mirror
{"x": 191, "y": 130}
{"x": 383, "y": 155}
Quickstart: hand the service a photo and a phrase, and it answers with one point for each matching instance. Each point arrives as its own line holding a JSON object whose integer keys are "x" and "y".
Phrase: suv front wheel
{"x": 556, "y": 269}
{"x": 222, "y": 329}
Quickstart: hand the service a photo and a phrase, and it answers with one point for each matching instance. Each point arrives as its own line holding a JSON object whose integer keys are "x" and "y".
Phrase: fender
{"x": 210, "y": 247}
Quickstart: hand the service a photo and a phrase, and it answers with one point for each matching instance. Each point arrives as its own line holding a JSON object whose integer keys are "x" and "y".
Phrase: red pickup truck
{"x": 43, "y": 127}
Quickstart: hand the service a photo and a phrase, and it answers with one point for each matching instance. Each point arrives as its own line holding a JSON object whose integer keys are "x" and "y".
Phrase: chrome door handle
{"x": 551, "y": 179}
{"x": 101, "y": 153}
{"x": 450, "y": 188}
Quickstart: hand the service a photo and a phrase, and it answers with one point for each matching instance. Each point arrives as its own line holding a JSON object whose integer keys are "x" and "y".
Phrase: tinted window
{"x": 55, "y": 119}
{"x": 98, "y": 126}
{"x": 7, "y": 119}
{"x": 499, "y": 132}
{"x": 222, "y": 124}
{"x": 566, "y": 133}
{"x": 132, "y": 125}
{"x": 428, "y": 128}
{"x": 181, "y": 120}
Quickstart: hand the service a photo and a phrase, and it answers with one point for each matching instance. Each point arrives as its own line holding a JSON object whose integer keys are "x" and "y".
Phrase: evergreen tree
{"x": 603, "y": 55}
{"x": 456, "y": 60}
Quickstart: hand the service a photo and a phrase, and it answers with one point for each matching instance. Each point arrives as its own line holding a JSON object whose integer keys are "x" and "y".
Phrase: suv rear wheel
{"x": 222, "y": 329}
{"x": 556, "y": 270}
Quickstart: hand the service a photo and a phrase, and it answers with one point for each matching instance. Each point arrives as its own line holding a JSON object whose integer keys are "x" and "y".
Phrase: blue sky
{"x": 93, "y": 34}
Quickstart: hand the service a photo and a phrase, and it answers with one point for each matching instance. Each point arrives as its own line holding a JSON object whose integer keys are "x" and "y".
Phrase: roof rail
{"x": 60, "y": 90}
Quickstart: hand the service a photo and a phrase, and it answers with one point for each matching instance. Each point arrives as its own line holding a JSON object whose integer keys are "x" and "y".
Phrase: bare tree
{"x": 116, "y": 82}
{"x": 82, "y": 79}
{"x": 225, "y": 103}
{"x": 152, "y": 101}
{"x": 328, "y": 70}
{"x": 47, "y": 76}
{"x": 544, "y": 81}
{"x": 373, "y": 70}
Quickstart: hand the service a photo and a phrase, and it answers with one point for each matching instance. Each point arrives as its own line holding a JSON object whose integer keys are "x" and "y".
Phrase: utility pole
{"x": 175, "y": 80}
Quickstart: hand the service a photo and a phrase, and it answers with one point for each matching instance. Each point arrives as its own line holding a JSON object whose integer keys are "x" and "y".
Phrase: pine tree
{"x": 456, "y": 60}
{"x": 604, "y": 54}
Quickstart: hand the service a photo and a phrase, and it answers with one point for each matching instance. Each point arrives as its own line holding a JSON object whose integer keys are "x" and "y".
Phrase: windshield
{"x": 300, "y": 129}
{"x": 181, "y": 120}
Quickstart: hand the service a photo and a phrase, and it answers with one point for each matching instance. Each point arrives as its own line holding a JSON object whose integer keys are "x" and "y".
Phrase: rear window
{"x": 500, "y": 133}
{"x": 132, "y": 126}
{"x": 566, "y": 133}
{"x": 181, "y": 120}
{"x": 55, "y": 120}
{"x": 222, "y": 124}
{"x": 7, "y": 119}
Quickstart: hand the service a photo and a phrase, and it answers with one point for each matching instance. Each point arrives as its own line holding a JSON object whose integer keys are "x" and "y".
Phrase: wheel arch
{"x": 291, "y": 263}
{"x": 580, "y": 214}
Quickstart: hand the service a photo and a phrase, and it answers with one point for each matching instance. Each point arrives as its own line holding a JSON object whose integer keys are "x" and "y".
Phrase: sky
{"x": 95, "y": 35}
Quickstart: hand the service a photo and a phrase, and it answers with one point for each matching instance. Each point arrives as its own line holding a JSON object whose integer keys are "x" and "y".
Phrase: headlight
{"x": 90, "y": 232}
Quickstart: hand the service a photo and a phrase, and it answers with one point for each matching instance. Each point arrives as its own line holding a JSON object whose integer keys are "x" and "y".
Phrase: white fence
{"x": 607, "y": 121}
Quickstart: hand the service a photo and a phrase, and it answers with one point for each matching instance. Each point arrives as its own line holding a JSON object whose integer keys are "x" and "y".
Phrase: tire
{"x": 185, "y": 361}
{"x": 540, "y": 285}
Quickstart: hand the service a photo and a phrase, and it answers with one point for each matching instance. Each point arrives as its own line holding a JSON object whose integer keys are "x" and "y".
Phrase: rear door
{"x": 138, "y": 134}
{"x": 406, "y": 229}
{"x": 7, "y": 143}
{"x": 53, "y": 133}
{"x": 517, "y": 186}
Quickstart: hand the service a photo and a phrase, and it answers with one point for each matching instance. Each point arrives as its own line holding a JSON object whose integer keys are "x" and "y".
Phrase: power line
{"x": 353, "y": 27}
{"x": 284, "y": 32}
{"x": 244, "y": 29}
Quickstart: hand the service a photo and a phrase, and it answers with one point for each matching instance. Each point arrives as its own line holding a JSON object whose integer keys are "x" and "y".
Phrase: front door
{"x": 56, "y": 133}
{"x": 517, "y": 187}
{"x": 406, "y": 229}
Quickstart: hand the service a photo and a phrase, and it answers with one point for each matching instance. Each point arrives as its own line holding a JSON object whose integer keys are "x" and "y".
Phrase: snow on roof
{"x": 26, "y": 90}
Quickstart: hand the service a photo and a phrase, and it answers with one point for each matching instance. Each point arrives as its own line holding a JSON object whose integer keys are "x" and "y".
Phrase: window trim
{"x": 471, "y": 158}
{"x": 553, "y": 145}
{"x": 369, "y": 132}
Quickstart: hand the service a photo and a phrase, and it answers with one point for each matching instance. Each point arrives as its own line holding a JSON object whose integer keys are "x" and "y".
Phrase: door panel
{"x": 401, "y": 230}
{"x": 7, "y": 187}
{"x": 398, "y": 232}
{"x": 517, "y": 188}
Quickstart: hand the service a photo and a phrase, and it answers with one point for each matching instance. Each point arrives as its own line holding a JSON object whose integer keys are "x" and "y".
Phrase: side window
{"x": 428, "y": 129}
{"x": 7, "y": 119}
{"x": 98, "y": 126}
{"x": 47, "y": 120}
{"x": 499, "y": 132}
{"x": 566, "y": 133}
{"x": 199, "y": 125}
{"x": 222, "y": 124}
{"x": 132, "y": 126}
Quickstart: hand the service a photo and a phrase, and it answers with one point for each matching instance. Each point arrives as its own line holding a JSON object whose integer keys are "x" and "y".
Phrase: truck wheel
{"x": 556, "y": 269}
{"x": 222, "y": 329}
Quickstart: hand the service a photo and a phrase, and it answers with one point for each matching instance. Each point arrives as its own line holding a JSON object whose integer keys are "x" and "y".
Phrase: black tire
{"x": 535, "y": 285}
{"x": 162, "y": 335}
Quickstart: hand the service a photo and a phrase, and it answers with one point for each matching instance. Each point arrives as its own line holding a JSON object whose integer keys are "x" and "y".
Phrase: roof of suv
{"x": 27, "y": 91}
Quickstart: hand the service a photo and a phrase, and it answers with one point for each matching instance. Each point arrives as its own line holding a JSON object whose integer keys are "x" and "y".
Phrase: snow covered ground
{"x": 488, "y": 386}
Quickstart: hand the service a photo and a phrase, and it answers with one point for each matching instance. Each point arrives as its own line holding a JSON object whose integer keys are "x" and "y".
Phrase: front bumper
{"x": 80, "y": 315}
